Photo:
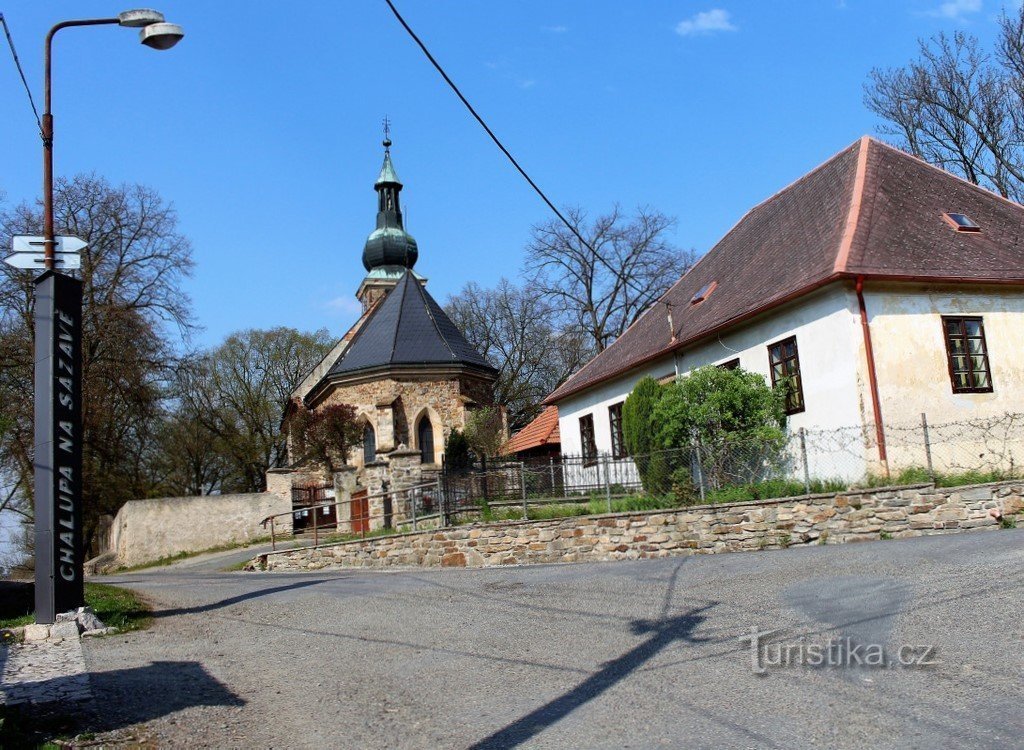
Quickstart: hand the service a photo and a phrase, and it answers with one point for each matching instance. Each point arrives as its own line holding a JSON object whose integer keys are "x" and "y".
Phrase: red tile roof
{"x": 871, "y": 210}
{"x": 541, "y": 431}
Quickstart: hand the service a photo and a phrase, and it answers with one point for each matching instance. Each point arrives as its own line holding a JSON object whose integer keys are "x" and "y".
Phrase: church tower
{"x": 389, "y": 250}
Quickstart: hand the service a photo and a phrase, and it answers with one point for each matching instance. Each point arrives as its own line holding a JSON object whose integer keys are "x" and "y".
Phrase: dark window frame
{"x": 368, "y": 455}
{"x": 615, "y": 428}
{"x": 965, "y": 337}
{"x": 426, "y": 456}
{"x": 588, "y": 441}
{"x": 795, "y": 402}
{"x": 730, "y": 364}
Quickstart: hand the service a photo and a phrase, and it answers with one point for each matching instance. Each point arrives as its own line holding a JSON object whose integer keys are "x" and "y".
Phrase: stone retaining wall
{"x": 811, "y": 519}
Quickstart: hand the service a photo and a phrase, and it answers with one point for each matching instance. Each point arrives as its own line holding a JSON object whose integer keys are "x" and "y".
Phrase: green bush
{"x": 714, "y": 405}
{"x": 683, "y": 490}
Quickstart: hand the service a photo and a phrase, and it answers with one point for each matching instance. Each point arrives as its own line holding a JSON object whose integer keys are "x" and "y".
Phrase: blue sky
{"x": 263, "y": 125}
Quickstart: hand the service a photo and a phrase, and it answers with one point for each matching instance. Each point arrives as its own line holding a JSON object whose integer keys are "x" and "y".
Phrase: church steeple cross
{"x": 387, "y": 132}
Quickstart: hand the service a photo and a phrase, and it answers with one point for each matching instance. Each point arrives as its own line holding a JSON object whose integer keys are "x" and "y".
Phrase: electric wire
{"x": 17, "y": 63}
{"x": 500, "y": 145}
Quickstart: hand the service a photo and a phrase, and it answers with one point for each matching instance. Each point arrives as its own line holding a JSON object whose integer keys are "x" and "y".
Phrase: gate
{"x": 314, "y": 498}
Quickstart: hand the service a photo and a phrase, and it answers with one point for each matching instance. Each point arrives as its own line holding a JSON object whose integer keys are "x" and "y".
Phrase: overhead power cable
{"x": 17, "y": 63}
{"x": 505, "y": 151}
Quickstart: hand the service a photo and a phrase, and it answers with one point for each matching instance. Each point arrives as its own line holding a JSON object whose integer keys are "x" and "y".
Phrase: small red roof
{"x": 541, "y": 431}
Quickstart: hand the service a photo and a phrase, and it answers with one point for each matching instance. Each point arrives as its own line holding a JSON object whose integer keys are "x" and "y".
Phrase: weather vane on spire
{"x": 387, "y": 132}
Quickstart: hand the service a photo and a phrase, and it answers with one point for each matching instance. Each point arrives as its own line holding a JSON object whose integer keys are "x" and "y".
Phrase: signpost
{"x": 60, "y": 552}
{"x": 23, "y": 243}
{"x": 29, "y": 253}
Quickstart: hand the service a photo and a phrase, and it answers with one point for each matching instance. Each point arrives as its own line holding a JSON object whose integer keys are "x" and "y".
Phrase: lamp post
{"x": 59, "y": 546}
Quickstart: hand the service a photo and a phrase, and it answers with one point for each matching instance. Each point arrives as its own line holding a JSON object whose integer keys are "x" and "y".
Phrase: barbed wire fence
{"x": 804, "y": 461}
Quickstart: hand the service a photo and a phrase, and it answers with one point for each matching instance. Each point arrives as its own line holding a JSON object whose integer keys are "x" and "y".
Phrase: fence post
{"x": 442, "y": 504}
{"x": 316, "y": 533}
{"x": 607, "y": 483}
{"x": 700, "y": 470}
{"x": 551, "y": 469}
{"x": 522, "y": 489}
{"x": 927, "y": 445}
{"x": 273, "y": 540}
{"x": 803, "y": 457}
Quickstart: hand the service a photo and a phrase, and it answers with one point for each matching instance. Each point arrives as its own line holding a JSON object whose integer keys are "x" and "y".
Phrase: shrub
{"x": 713, "y": 404}
{"x": 733, "y": 416}
{"x": 456, "y": 452}
{"x": 683, "y": 489}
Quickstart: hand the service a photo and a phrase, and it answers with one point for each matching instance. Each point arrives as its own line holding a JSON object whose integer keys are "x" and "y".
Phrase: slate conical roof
{"x": 408, "y": 328}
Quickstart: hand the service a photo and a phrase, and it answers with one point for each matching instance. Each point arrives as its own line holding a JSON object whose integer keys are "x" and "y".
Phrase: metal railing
{"x": 404, "y": 507}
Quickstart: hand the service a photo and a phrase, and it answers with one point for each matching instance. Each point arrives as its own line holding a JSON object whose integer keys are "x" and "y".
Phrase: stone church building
{"x": 409, "y": 372}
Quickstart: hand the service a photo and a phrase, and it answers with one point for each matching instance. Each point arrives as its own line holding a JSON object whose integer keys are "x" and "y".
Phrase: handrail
{"x": 362, "y": 520}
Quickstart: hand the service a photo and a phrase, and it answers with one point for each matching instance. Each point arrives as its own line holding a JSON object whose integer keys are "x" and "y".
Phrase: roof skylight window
{"x": 961, "y": 222}
{"x": 704, "y": 292}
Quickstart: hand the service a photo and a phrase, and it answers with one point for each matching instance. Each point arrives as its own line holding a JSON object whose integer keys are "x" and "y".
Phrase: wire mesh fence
{"x": 722, "y": 469}
{"x": 733, "y": 469}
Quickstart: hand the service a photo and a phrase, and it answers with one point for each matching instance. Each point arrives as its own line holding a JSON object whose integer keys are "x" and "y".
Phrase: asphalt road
{"x": 640, "y": 654}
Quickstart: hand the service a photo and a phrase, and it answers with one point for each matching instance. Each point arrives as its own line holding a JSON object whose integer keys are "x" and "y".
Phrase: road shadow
{"x": 121, "y": 698}
{"x": 200, "y": 608}
{"x": 124, "y": 697}
{"x": 661, "y": 632}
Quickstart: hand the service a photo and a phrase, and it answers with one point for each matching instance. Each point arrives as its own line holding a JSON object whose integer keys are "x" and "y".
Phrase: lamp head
{"x": 161, "y": 35}
{"x": 139, "y": 17}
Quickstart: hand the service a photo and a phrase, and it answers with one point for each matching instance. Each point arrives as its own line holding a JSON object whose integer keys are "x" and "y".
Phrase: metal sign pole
{"x": 60, "y": 552}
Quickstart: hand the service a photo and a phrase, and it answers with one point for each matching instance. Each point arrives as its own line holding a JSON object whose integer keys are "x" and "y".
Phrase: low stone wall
{"x": 811, "y": 519}
{"x": 147, "y": 530}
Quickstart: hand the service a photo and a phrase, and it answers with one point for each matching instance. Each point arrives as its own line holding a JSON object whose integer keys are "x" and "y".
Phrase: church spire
{"x": 389, "y": 244}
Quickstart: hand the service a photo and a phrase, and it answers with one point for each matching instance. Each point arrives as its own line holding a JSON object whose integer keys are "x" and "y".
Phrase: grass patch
{"x": 770, "y": 488}
{"x": 117, "y": 607}
{"x": 920, "y": 475}
{"x": 1008, "y": 522}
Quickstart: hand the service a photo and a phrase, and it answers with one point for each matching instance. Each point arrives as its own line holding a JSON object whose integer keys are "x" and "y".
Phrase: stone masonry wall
{"x": 811, "y": 519}
{"x": 147, "y": 530}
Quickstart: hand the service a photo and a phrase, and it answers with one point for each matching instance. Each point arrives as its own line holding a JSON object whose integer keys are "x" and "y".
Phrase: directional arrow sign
{"x": 36, "y": 260}
{"x": 23, "y": 243}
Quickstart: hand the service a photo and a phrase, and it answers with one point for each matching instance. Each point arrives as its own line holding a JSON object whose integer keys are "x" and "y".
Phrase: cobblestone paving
{"x": 40, "y": 672}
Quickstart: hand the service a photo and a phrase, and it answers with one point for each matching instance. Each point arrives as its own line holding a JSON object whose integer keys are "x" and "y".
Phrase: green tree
{"x": 456, "y": 451}
{"x": 638, "y": 426}
{"x": 639, "y": 431}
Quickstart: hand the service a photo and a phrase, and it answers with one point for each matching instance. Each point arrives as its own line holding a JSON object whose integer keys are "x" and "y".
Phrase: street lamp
{"x": 59, "y": 549}
{"x": 156, "y": 33}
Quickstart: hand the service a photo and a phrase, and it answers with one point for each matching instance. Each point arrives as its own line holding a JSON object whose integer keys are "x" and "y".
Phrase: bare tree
{"x": 603, "y": 286}
{"x": 520, "y": 334}
{"x": 132, "y": 271}
{"x": 960, "y": 107}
